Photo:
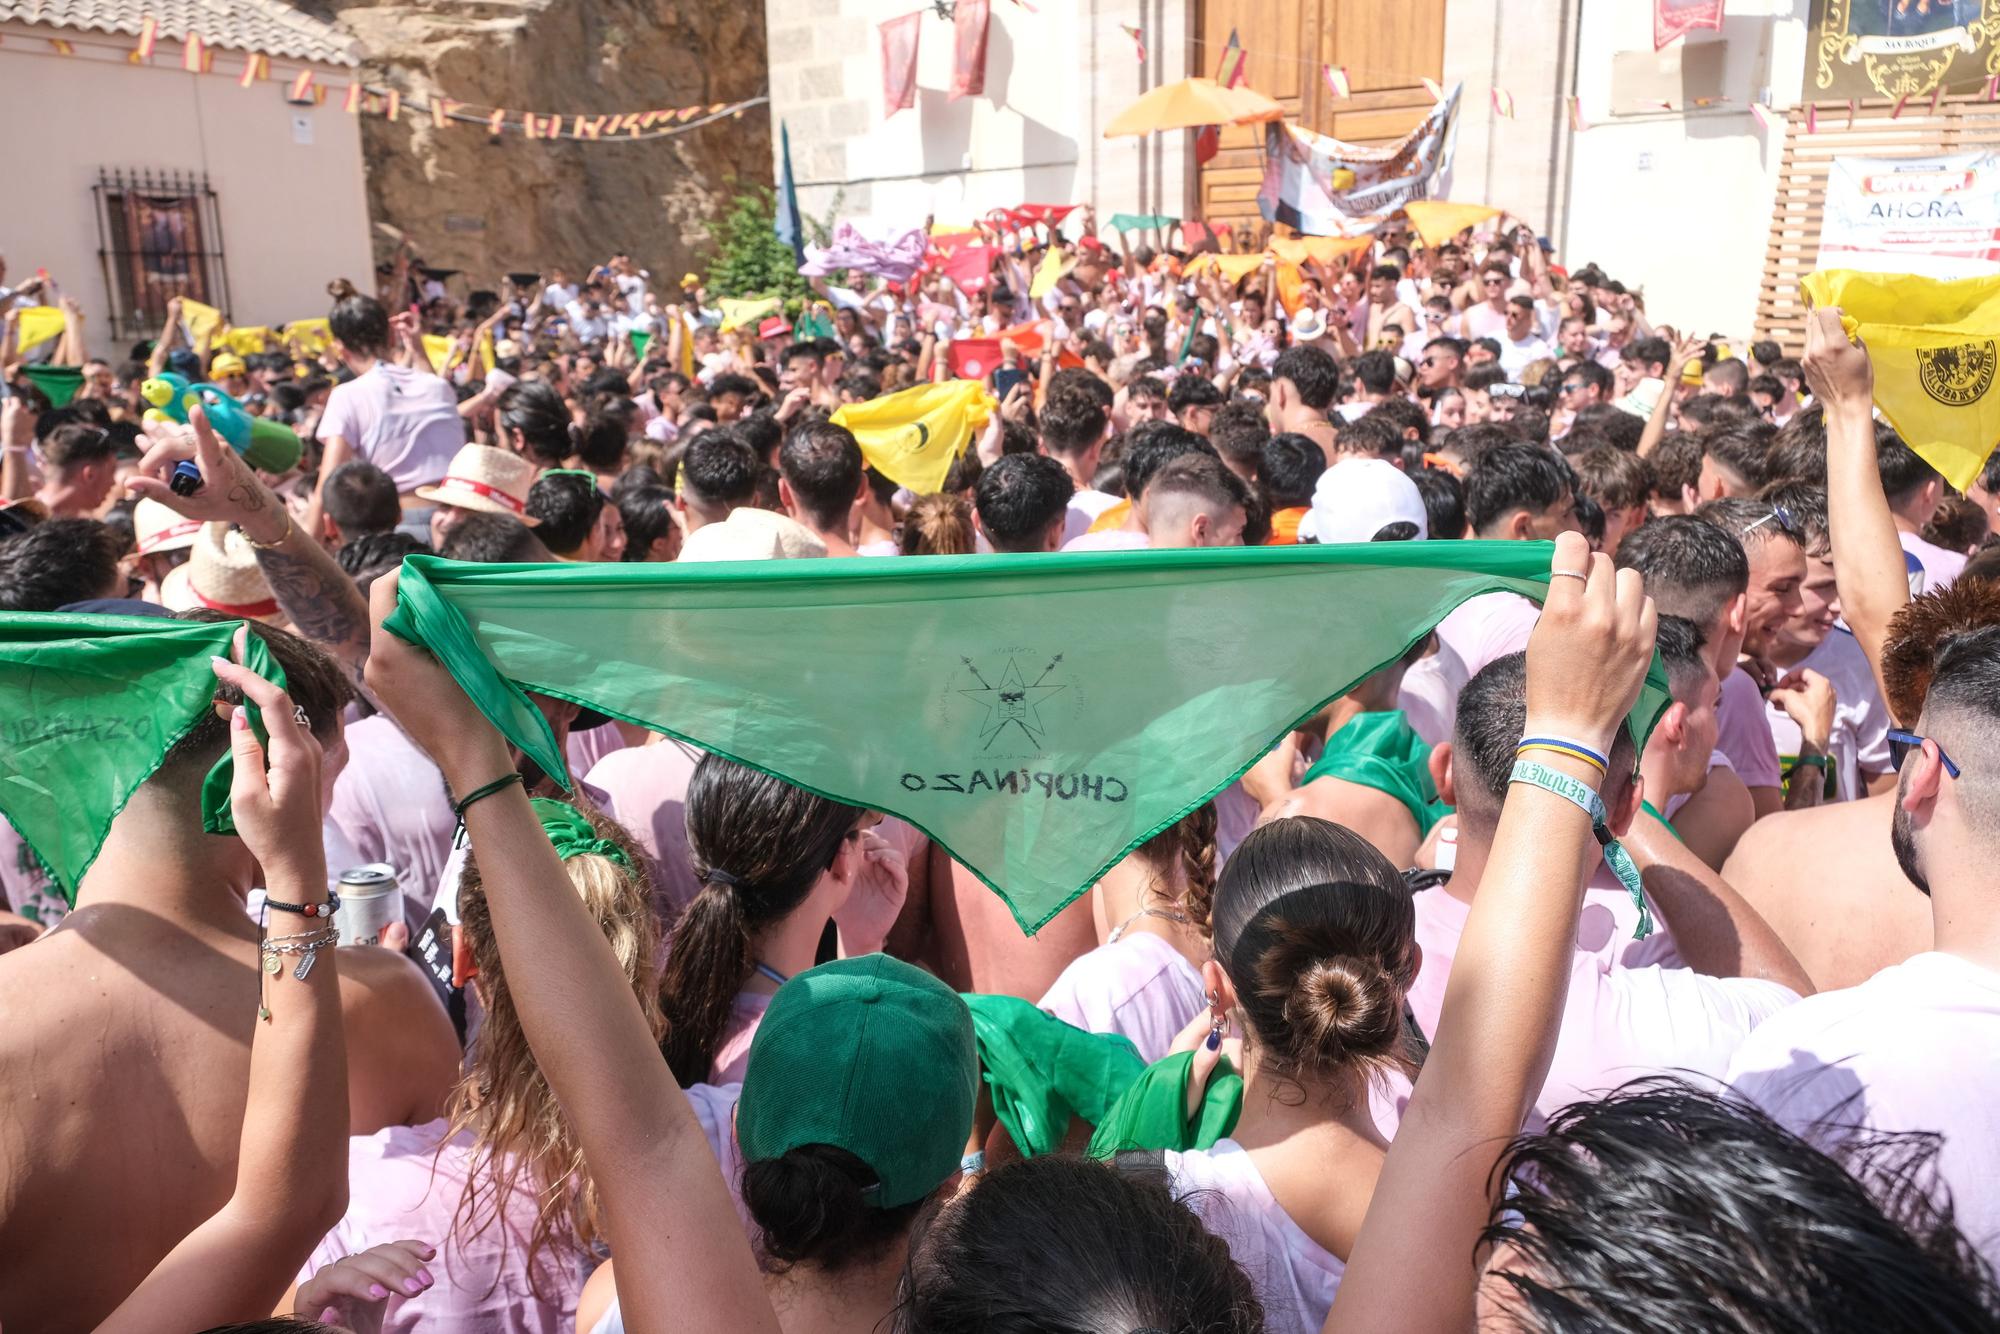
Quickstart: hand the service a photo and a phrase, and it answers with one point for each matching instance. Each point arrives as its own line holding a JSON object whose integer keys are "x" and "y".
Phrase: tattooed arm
{"x": 315, "y": 594}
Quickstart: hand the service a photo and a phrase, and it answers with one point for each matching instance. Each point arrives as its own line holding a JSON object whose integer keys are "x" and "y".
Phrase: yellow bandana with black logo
{"x": 1935, "y": 346}
{"x": 912, "y": 437}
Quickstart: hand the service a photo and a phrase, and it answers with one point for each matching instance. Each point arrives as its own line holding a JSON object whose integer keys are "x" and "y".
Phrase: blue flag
{"x": 788, "y": 228}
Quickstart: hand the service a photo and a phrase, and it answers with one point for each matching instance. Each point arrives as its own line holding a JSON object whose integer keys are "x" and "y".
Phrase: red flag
{"x": 971, "y": 267}
{"x": 1677, "y": 18}
{"x": 1232, "y": 72}
{"x": 968, "y": 60}
{"x": 899, "y": 63}
{"x": 1207, "y": 143}
{"x": 1337, "y": 81}
{"x": 971, "y": 358}
{"x": 1045, "y": 215}
{"x": 1138, "y": 37}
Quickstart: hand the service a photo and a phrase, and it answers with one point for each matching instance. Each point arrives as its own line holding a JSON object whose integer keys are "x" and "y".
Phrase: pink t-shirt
{"x": 1940, "y": 566}
{"x": 1139, "y": 986}
{"x": 585, "y": 749}
{"x": 1295, "y": 1277}
{"x": 1743, "y": 734}
{"x": 1912, "y": 1048}
{"x": 732, "y": 1053}
{"x": 1486, "y": 628}
{"x": 1633, "y": 1007}
{"x": 1114, "y": 539}
{"x": 1429, "y": 697}
{"x": 482, "y": 1280}
{"x": 25, "y": 886}
{"x": 645, "y": 789}
{"x": 404, "y": 422}
{"x": 390, "y": 803}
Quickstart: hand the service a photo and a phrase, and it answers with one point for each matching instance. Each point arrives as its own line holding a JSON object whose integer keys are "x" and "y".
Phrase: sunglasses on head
{"x": 1780, "y": 516}
{"x": 1904, "y": 744}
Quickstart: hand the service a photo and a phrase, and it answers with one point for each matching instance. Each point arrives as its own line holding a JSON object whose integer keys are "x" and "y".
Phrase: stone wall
{"x": 515, "y": 205}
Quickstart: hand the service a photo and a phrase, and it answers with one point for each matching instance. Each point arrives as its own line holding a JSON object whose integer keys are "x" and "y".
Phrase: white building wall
{"x": 293, "y": 213}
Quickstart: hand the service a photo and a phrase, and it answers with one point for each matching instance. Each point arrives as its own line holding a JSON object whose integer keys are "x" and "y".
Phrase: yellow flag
{"x": 737, "y": 313}
{"x": 201, "y": 321}
{"x": 1318, "y": 249}
{"x": 1047, "y": 275}
{"x": 1438, "y": 220}
{"x": 1935, "y": 346}
{"x": 486, "y": 352}
{"x": 1233, "y": 267}
{"x": 687, "y": 346}
{"x": 312, "y": 336}
{"x": 912, "y": 437}
{"x": 245, "y": 342}
{"x": 37, "y": 325}
{"x": 438, "y": 349}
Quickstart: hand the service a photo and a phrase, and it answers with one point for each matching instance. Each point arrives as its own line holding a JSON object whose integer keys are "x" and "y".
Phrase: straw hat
{"x": 221, "y": 574}
{"x": 490, "y": 480}
{"x": 158, "y": 529}
{"x": 1309, "y": 325}
{"x": 752, "y": 534}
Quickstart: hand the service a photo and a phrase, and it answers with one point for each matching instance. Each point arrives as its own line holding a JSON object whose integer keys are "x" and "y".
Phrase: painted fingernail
{"x": 412, "y": 1287}
{"x": 217, "y": 660}
{"x": 425, "y": 1275}
{"x": 427, "y": 1251}
{"x": 377, "y": 1291}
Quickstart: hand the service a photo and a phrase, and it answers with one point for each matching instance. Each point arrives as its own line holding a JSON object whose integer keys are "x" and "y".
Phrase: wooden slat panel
{"x": 1960, "y": 124}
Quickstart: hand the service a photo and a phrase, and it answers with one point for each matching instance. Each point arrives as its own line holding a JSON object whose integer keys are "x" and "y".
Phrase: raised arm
{"x": 1867, "y": 555}
{"x": 69, "y": 351}
{"x": 164, "y": 344}
{"x": 17, "y": 437}
{"x": 1413, "y": 1266}
{"x": 682, "y": 1261}
{"x": 291, "y": 1169}
{"x": 1685, "y": 350}
{"x": 315, "y": 594}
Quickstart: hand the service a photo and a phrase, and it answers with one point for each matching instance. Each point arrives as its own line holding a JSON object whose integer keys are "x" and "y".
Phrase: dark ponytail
{"x": 1317, "y": 933}
{"x": 357, "y": 320}
{"x": 810, "y": 1206}
{"x": 534, "y": 412}
{"x": 758, "y": 845}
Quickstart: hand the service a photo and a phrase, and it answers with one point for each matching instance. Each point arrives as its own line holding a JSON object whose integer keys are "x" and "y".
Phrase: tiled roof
{"x": 267, "y": 26}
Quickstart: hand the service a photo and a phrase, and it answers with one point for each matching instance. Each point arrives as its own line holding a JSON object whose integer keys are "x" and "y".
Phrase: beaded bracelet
{"x": 327, "y": 909}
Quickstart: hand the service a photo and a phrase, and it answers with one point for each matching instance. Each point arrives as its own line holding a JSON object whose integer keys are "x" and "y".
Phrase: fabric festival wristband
{"x": 1615, "y": 856}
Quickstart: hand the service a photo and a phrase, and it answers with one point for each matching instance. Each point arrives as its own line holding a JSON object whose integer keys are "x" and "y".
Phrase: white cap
{"x": 1357, "y": 498}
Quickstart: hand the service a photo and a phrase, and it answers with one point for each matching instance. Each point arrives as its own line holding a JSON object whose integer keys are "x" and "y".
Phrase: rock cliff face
{"x": 491, "y": 207}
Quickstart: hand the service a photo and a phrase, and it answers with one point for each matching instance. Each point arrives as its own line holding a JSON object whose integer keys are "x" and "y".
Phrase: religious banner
{"x": 1038, "y": 718}
{"x": 1674, "y": 19}
{"x": 1899, "y": 49}
{"x": 899, "y": 62}
{"x": 1935, "y": 216}
{"x": 968, "y": 52}
{"x": 1324, "y": 187}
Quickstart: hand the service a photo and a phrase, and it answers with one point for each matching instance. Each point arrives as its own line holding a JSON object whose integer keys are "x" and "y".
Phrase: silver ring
{"x": 1568, "y": 574}
{"x": 299, "y": 716}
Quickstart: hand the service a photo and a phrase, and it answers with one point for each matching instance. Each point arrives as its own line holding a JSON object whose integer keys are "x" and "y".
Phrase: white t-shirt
{"x": 404, "y": 422}
{"x": 390, "y": 803}
{"x": 1487, "y": 628}
{"x": 1115, "y": 539}
{"x": 1633, "y": 1007}
{"x": 1940, "y": 566}
{"x": 1860, "y": 739}
{"x": 1517, "y": 355}
{"x": 559, "y": 295}
{"x": 1138, "y": 985}
{"x": 1084, "y": 507}
{"x": 1915, "y": 1047}
{"x": 1429, "y": 697}
{"x": 1295, "y": 1277}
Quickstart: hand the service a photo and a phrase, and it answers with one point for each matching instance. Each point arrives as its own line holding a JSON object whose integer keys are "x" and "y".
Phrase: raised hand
{"x": 1589, "y": 652}
{"x": 881, "y": 884}
{"x": 230, "y": 492}
{"x": 353, "y": 1290}
{"x": 1838, "y": 369}
{"x": 277, "y": 810}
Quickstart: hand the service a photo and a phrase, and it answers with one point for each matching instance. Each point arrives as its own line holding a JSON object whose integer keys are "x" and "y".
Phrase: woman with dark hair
{"x": 776, "y": 864}
{"x": 650, "y": 531}
{"x": 1151, "y": 911}
{"x": 534, "y": 422}
{"x": 1315, "y": 947}
{"x": 401, "y": 418}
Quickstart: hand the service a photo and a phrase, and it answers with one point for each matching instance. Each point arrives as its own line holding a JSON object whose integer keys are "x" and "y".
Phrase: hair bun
{"x": 340, "y": 289}
{"x": 1344, "y": 1007}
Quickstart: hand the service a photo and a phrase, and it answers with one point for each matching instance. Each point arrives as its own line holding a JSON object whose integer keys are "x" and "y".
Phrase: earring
{"x": 1216, "y": 1023}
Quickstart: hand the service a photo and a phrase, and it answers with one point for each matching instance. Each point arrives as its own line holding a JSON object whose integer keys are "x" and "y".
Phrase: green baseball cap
{"x": 869, "y": 1055}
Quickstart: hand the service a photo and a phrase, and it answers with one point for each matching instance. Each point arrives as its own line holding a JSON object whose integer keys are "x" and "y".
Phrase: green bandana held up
{"x": 569, "y": 830}
{"x": 1043, "y": 1073}
{"x": 89, "y": 707}
{"x": 1037, "y": 716}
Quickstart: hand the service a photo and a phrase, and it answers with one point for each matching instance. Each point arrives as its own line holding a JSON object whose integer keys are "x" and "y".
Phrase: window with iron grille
{"x": 159, "y": 236}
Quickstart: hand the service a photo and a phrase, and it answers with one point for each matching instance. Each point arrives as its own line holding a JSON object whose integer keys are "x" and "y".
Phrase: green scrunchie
{"x": 569, "y": 830}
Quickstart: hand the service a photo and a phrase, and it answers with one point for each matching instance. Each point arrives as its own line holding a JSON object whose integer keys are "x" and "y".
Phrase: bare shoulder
{"x": 1370, "y": 812}
{"x": 403, "y": 1054}
{"x": 1782, "y": 844}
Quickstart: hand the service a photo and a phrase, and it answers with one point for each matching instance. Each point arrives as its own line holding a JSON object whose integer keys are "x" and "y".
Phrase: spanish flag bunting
{"x": 61, "y": 47}
{"x": 717, "y": 107}
{"x": 1435, "y": 89}
{"x": 647, "y": 120}
{"x": 1138, "y": 36}
{"x": 1936, "y": 94}
{"x": 437, "y": 112}
{"x": 1853, "y": 108}
{"x": 1576, "y": 121}
{"x": 208, "y": 60}
{"x": 1234, "y": 70}
{"x": 351, "y": 102}
{"x": 394, "y": 109}
{"x": 319, "y": 95}
{"x": 1935, "y": 345}
{"x": 149, "y": 37}
{"x": 1898, "y": 112}
{"x": 301, "y": 87}
{"x": 1503, "y": 103}
{"x": 1992, "y": 87}
{"x": 1762, "y": 113}
{"x": 531, "y": 125}
{"x": 255, "y": 67}
{"x": 191, "y": 54}
{"x": 497, "y": 121}
{"x": 1337, "y": 81}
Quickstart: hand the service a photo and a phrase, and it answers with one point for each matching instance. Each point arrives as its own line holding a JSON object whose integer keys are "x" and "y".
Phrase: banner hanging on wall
{"x": 1938, "y": 217}
{"x": 1900, "y": 48}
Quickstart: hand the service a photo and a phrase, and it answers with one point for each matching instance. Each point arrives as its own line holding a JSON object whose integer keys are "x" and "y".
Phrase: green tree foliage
{"x": 750, "y": 260}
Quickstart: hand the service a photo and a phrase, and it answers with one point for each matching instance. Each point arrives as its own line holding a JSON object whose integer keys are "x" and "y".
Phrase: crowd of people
{"x": 1464, "y": 1005}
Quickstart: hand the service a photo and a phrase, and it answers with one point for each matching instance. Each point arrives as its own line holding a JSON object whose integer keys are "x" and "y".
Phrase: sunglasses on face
{"x": 1904, "y": 744}
{"x": 1574, "y": 387}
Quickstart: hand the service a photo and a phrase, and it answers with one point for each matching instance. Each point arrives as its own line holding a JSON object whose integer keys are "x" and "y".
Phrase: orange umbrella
{"x": 1190, "y": 104}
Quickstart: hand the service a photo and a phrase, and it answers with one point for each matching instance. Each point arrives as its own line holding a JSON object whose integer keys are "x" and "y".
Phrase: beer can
{"x": 370, "y": 899}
